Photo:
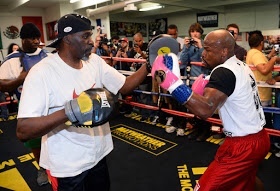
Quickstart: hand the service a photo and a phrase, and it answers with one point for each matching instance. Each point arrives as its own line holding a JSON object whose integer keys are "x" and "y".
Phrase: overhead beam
{"x": 17, "y": 4}
{"x": 108, "y": 8}
{"x": 87, "y": 3}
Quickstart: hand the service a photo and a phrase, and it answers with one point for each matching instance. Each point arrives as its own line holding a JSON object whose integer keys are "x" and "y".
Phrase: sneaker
{"x": 42, "y": 177}
{"x": 169, "y": 121}
{"x": 277, "y": 154}
{"x": 170, "y": 129}
{"x": 219, "y": 135}
{"x": 155, "y": 120}
{"x": 180, "y": 132}
{"x": 277, "y": 145}
{"x": 194, "y": 134}
{"x": 143, "y": 119}
{"x": 132, "y": 114}
{"x": 204, "y": 134}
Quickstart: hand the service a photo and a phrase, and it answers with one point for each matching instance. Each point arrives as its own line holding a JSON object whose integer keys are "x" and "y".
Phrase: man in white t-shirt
{"x": 75, "y": 157}
{"x": 13, "y": 72}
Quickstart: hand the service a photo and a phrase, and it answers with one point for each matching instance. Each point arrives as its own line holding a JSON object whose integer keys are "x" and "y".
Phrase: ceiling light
{"x": 74, "y": 1}
{"x": 151, "y": 8}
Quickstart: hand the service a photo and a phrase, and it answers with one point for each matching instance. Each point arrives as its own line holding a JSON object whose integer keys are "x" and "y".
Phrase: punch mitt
{"x": 91, "y": 108}
{"x": 200, "y": 83}
{"x": 161, "y": 44}
{"x": 166, "y": 72}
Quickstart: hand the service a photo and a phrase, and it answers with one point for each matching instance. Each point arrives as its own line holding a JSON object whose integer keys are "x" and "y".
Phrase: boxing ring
{"x": 275, "y": 110}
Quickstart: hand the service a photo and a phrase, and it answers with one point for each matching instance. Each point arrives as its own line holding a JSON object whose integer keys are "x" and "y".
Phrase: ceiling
{"x": 170, "y": 6}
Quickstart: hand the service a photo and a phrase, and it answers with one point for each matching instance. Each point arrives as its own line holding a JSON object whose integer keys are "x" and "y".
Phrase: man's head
{"x": 195, "y": 30}
{"x": 30, "y": 36}
{"x": 256, "y": 39}
{"x": 124, "y": 42}
{"x": 138, "y": 39}
{"x": 173, "y": 31}
{"x": 115, "y": 40}
{"x": 233, "y": 29}
{"x": 70, "y": 24}
{"x": 74, "y": 33}
{"x": 218, "y": 47}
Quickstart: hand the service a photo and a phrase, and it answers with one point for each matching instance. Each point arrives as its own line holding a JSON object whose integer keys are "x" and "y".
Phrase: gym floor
{"x": 145, "y": 157}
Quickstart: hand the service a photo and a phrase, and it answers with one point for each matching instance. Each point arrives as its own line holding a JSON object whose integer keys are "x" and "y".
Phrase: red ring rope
{"x": 272, "y": 132}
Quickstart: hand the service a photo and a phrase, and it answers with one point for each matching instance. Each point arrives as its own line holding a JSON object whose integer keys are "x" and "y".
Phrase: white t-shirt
{"x": 11, "y": 68}
{"x": 68, "y": 151}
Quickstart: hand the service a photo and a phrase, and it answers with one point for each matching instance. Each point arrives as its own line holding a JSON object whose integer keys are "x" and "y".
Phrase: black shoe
{"x": 205, "y": 134}
{"x": 274, "y": 149}
{"x": 193, "y": 134}
{"x": 143, "y": 119}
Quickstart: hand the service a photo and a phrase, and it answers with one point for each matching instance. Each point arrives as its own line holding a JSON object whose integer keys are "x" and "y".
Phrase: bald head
{"x": 221, "y": 39}
{"x": 218, "y": 47}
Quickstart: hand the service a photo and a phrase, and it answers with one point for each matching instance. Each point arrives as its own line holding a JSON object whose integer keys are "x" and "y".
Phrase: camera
{"x": 110, "y": 44}
{"x": 192, "y": 41}
{"x": 231, "y": 32}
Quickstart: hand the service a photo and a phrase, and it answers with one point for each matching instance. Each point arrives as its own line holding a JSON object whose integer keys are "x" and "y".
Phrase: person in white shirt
{"x": 75, "y": 157}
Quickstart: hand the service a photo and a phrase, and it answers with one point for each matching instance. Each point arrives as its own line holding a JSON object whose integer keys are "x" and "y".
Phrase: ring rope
{"x": 275, "y": 110}
{"x": 272, "y": 132}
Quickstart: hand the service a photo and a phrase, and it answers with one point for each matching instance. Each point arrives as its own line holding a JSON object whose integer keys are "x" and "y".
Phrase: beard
{"x": 86, "y": 54}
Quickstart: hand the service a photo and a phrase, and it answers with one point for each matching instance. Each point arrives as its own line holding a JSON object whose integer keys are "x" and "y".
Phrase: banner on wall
{"x": 127, "y": 29}
{"x": 209, "y": 19}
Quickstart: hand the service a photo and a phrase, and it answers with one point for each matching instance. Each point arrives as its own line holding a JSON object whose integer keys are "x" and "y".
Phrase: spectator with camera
{"x": 123, "y": 51}
{"x": 114, "y": 44}
{"x": 105, "y": 50}
{"x": 192, "y": 52}
{"x": 239, "y": 51}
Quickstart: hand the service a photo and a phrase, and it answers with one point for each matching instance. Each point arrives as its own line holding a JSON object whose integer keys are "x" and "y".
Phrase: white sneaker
{"x": 155, "y": 120}
{"x": 170, "y": 129}
{"x": 277, "y": 154}
{"x": 180, "y": 132}
{"x": 169, "y": 121}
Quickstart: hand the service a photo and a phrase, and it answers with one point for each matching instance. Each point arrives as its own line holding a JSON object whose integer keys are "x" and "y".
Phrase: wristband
{"x": 182, "y": 94}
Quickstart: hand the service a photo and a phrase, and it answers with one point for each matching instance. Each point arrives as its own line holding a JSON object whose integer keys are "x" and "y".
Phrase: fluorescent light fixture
{"x": 74, "y": 1}
{"x": 151, "y": 8}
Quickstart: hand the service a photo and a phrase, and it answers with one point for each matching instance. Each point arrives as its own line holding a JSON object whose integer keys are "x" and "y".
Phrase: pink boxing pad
{"x": 199, "y": 84}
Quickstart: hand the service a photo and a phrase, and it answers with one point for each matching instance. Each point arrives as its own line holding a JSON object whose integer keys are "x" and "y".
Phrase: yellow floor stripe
{"x": 199, "y": 170}
{"x": 12, "y": 180}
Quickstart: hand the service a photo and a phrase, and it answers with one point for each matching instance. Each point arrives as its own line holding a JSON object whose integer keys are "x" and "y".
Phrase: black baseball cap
{"x": 70, "y": 24}
{"x": 29, "y": 30}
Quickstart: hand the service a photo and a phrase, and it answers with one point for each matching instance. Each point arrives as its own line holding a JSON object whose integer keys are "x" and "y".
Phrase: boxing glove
{"x": 166, "y": 72}
{"x": 200, "y": 83}
{"x": 91, "y": 108}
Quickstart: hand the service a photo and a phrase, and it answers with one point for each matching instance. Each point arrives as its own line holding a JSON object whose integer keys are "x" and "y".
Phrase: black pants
{"x": 94, "y": 179}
